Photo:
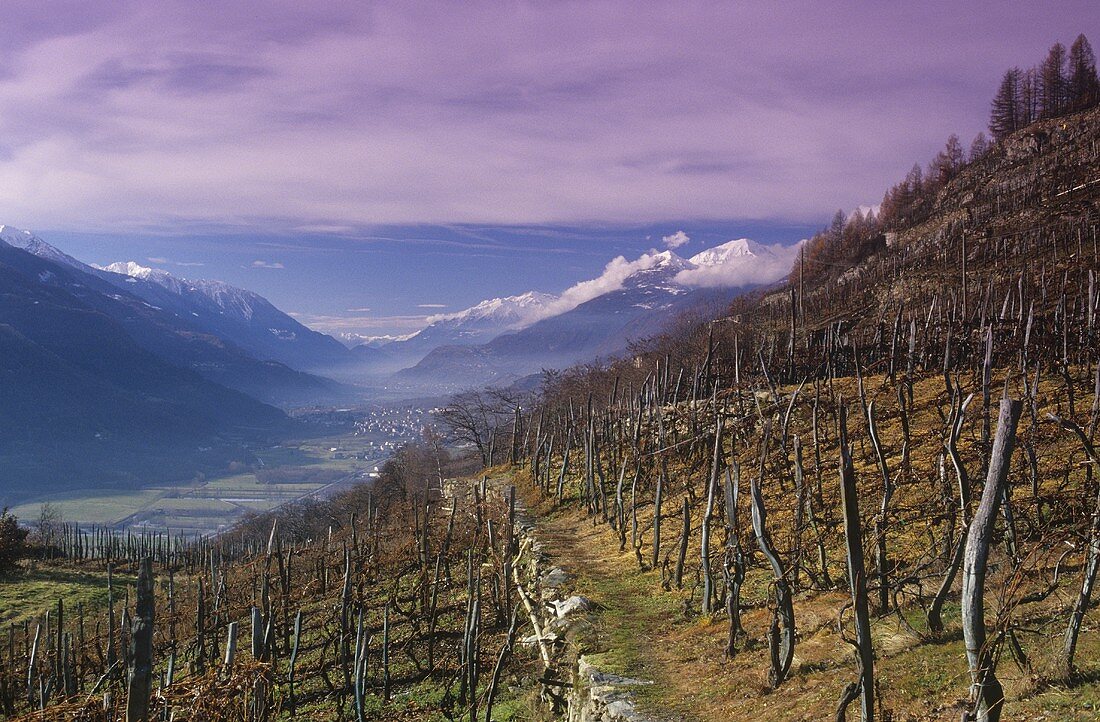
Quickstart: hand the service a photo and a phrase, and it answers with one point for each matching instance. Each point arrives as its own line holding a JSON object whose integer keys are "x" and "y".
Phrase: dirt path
{"x": 643, "y": 630}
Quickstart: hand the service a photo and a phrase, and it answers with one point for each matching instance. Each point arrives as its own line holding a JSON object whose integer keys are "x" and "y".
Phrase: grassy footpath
{"x": 645, "y": 632}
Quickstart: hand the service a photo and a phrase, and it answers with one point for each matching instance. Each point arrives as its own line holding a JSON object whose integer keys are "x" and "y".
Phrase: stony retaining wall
{"x": 565, "y": 627}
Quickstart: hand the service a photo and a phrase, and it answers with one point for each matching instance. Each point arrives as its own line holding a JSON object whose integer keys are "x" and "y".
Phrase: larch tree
{"x": 1084, "y": 89}
{"x": 1052, "y": 81}
{"x": 1027, "y": 98}
{"x": 978, "y": 147}
{"x": 1003, "y": 118}
{"x": 836, "y": 227}
{"x": 949, "y": 160}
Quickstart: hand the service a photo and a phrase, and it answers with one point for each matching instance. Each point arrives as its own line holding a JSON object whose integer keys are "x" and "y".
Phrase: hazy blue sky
{"x": 394, "y": 156}
{"x": 388, "y": 280}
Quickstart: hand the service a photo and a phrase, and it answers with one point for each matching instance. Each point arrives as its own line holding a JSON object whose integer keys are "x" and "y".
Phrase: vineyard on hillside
{"x": 903, "y": 440}
{"x": 391, "y": 601}
{"x": 917, "y": 429}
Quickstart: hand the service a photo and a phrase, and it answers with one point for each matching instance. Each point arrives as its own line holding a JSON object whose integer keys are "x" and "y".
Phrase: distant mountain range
{"x": 240, "y": 340}
{"x": 632, "y": 300}
{"x": 130, "y": 362}
{"x": 86, "y": 395}
{"x": 475, "y": 325}
{"x": 230, "y": 336}
{"x": 232, "y": 314}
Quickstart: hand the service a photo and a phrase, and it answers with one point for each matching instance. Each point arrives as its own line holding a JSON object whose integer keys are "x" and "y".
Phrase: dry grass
{"x": 645, "y": 633}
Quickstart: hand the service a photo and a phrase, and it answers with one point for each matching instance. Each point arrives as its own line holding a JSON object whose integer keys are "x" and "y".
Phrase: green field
{"x": 284, "y": 473}
{"x": 91, "y": 506}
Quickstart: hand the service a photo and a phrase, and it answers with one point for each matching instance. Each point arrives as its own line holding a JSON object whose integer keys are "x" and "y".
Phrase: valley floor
{"x": 646, "y": 632}
{"x": 288, "y": 472}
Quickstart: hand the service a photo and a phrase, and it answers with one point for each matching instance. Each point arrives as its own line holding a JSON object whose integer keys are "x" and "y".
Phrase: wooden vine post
{"x": 141, "y": 647}
{"x": 857, "y": 582}
{"x": 781, "y": 635}
{"x": 987, "y": 694}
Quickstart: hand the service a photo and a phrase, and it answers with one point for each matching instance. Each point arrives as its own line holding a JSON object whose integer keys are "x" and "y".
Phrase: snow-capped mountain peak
{"x": 738, "y": 263}
{"x": 738, "y": 248}
{"x": 476, "y": 324}
{"x": 352, "y": 339}
{"x": 135, "y": 270}
{"x": 229, "y": 300}
{"x": 15, "y": 236}
{"x": 499, "y": 311}
{"x": 29, "y": 242}
{"x": 241, "y": 317}
{"x": 667, "y": 260}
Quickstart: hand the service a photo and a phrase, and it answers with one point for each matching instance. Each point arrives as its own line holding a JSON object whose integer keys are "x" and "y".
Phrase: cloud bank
{"x": 762, "y": 264}
{"x": 614, "y": 274}
{"x": 330, "y": 116}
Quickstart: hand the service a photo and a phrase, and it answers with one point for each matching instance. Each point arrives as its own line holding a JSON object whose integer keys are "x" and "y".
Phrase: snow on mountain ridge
{"x": 238, "y": 302}
{"x": 507, "y": 309}
{"x": 29, "y": 242}
{"x": 351, "y": 339}
{"x": 235, "y": 301}
{"x": 737, "y": 263}
{"x": 729, "y": 250}
{"x": 244, "y": 319}
{"x": 133, "y": 270}
{"x": 228, "y": 298}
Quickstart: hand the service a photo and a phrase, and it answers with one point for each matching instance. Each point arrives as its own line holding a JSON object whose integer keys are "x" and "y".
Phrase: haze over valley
{"x": 125, "y": 345}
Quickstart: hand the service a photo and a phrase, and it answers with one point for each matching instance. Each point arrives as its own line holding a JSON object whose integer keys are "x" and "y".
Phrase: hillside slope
{"x": 703, "y": 473}
{"x": 168, "y": 331}
{"x": 83, "y": 401}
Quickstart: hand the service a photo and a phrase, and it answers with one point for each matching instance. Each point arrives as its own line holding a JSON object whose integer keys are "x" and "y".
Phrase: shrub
{"x": 13, "y": 540}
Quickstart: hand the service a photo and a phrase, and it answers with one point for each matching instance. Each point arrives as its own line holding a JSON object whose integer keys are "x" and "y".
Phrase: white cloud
{"x": 431, "y": 305}
{"x": 332, "y": 228}
{"x": 169, "y": 262}
{"x": 365, "y": 324}
{"x": 267, "y": 264}
{"x": 614, "y": 273}
{"x": 677, "y": 239}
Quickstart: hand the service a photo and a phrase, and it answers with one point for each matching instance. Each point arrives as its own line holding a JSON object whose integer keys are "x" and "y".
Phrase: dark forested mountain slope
{"x": 172, "y": 335}
{"x": 82, "y": 400}
{"x": 235, "y": 315}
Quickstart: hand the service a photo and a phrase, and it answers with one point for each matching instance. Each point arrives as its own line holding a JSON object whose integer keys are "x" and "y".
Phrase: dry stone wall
{"x": 565, "y": 632}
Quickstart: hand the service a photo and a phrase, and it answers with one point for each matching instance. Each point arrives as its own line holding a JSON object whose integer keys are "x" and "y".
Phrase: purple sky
{"x": 327, "y": 118}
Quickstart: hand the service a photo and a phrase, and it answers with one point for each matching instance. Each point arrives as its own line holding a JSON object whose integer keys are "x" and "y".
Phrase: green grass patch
{"x": 33, "y": 592}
